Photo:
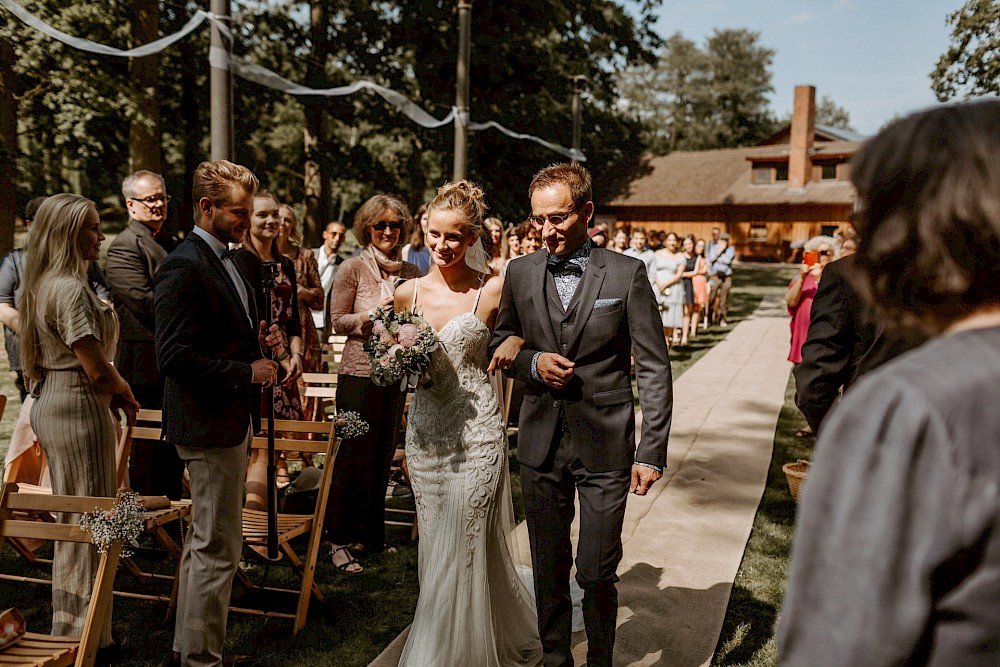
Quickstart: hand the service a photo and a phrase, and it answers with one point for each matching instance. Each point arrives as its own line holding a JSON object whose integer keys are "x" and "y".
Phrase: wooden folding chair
{"x": 148, "y": 427}
{"x": 291, "y": 526}
{"x": 48, "y": 650}
{"x": 402, "y": 518}
{"x": 333, "y": 352}
{"x": 319, "y": 391}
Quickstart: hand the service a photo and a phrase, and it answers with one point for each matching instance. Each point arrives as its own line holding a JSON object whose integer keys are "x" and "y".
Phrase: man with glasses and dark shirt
{"x": 134, "y": 258}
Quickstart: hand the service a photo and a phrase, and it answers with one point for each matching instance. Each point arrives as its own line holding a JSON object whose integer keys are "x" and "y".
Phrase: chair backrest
{"x": 333, "y": 352}
{"x": 148, "y": 426}
{"x": 319, "y": 385}
{"x": 10, "y": 527}
{"x": 283, "y": 427}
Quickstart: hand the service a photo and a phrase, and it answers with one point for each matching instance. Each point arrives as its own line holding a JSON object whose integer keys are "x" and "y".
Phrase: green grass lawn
{"x": 363, "y": 613}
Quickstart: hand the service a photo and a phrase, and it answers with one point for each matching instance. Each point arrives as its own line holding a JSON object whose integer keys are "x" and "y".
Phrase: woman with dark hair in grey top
{"x": 897, "y": 546}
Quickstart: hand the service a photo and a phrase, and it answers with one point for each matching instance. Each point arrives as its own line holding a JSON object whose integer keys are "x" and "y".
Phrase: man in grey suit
{"x": 134, "y": 258}
{"x": 583, "y": 312}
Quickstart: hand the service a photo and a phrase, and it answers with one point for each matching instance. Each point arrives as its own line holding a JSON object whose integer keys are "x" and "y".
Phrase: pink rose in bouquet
{"x": 378, "y": 328}
{"x": 408, "y": 334}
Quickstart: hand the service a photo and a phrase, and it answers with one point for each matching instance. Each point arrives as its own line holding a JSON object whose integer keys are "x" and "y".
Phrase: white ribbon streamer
{"x": 30, "y": 19}
{"x": 222, "y": 59}
{"x": 273, "y": 80}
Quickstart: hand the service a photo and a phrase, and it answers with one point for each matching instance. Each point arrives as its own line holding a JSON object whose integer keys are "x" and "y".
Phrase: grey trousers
{"x": 548, "y": 505}
{"x": 212, "y": 551}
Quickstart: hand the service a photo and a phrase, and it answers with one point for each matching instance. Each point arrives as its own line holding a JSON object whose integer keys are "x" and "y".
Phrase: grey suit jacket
{"x": 134, "y": 257}
{"x": 598, "y": 402}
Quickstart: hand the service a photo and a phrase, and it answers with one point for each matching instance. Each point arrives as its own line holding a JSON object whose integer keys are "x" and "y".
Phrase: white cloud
{"x": 805, "y": 17}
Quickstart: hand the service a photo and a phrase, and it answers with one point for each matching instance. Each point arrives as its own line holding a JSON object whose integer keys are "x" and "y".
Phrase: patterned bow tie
{"x": 564, "y": 266}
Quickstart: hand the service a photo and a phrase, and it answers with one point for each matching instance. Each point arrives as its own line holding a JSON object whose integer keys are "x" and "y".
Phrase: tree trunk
{"x": 192, "y": 152}
{"x": 144, "y": 73}
{"x": 317, "y": 180}
{"x": 8, "y": 145}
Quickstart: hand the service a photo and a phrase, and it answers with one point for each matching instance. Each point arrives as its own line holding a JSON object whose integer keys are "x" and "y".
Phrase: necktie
{"x": 230, "y": 253}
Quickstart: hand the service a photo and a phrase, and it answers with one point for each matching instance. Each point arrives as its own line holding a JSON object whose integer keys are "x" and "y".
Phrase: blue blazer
{"x": 205, "y": 344}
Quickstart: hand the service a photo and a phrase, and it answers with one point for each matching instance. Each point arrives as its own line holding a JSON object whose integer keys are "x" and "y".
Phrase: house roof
{"x": 722, "y": 176}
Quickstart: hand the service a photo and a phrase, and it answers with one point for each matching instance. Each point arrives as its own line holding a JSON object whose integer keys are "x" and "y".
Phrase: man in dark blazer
{"x": 209, "y": 349}
{"x": 583, "y": 312}
{"x": 134, "y": 258}
{"x": 845, "y": 340}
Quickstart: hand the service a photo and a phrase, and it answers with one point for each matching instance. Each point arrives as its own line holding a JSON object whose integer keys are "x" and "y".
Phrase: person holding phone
{"x": 356, "y": 506}
{"x": 819, "y": 251}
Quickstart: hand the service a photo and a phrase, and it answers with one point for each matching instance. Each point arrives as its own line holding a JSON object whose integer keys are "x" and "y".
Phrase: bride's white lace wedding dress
{"x": 473, "y": 610}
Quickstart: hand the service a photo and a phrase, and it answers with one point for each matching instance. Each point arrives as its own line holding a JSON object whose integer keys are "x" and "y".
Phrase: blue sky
{"x": 872, "y": 57}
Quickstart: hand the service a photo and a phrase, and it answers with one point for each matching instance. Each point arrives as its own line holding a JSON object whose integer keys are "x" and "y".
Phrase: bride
{"x": 473, "y": 609}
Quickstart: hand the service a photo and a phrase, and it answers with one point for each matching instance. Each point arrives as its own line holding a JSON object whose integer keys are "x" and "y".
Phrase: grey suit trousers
{"x": 212, "y": 551}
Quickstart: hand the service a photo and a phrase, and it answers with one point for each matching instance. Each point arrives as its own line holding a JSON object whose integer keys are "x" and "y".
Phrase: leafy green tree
{"x": 971, "y": 66}
{"x": 697, "y": 98}
{"x": 831, "y": 114}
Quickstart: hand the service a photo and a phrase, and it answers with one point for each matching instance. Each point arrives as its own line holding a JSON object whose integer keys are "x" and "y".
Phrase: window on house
{"x": 781, "y": 173}
{"x": 758, "y": 232}
{"x": 828, "y": 172}
{"x": 761, "y": 174}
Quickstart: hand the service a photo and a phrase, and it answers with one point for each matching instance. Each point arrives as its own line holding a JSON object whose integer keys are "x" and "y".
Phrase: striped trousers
{"x": 74, "y": 426}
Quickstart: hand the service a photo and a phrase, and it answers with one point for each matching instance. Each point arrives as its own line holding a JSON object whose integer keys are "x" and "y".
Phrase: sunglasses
{"x": 383, "y": 225}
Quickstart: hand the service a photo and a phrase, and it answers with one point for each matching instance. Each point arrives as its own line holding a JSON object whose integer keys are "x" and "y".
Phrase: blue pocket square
{"x": 604, "y": 303}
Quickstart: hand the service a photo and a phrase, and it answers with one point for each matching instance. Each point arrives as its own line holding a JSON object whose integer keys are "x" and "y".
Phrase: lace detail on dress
{"x": 456, "y": 448}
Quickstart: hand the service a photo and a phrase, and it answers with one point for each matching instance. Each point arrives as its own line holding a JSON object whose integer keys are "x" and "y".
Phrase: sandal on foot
{"x": 347, "y": 565}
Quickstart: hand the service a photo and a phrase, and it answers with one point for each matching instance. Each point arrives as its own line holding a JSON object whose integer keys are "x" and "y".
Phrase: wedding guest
{"x": 11, "y": 286}
{"x": 802, "y": 290}
{"x": 513, "y": 242}
{"x": 308, "y": 284}
{"x": 260, "y": 246}
{"x": 669, "y": 289}
{"x": 134, "y": 258}
{"x": 700, "y": 282}
{"x": 356, "y": 506}
{"x": 720, "y": 256}
{"x": 500, "y": 251}
{"x": 416, "y": 251}
{"x": 619, "y": 242}
{"x": 531, "y": 238}
{"x": 209, "y": 347}
{"x": 691, "y": 311}
{"x": 328, "y": 261}
{"x": 68, "y": 339}
{"x": 637, "y": 248}
{"x": 897, "y": 542}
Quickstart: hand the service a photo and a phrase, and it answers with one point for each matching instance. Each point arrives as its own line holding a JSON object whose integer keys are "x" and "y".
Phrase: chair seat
{"x": 289, "y": 526}
{"x": 35, "y": 649}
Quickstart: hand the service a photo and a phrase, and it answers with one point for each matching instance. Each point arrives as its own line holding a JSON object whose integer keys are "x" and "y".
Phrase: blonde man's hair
{"x": 215, "y": 180}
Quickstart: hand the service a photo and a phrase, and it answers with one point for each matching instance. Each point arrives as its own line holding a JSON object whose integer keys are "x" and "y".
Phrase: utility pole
{"x": 461, "y": 168}
{"x": 578, "y": 84}
{"x": 221, "y": 84}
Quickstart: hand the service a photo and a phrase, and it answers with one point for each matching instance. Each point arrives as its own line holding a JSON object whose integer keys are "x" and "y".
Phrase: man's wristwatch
{"x": 658, "y": 469}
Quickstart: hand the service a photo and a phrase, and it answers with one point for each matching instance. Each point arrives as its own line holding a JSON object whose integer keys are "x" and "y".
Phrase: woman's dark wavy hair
{"x": 928, "y": 214}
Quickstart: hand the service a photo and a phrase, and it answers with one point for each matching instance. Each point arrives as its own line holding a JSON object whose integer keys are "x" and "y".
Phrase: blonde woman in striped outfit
{"x": 69, "y": 339}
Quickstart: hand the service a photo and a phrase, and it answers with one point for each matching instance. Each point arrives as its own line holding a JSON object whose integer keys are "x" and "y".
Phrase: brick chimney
{"x": 803, "y": 131}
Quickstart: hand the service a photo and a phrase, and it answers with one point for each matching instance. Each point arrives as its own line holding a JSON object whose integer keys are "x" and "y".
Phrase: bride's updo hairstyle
{"x": 468, "y": 200}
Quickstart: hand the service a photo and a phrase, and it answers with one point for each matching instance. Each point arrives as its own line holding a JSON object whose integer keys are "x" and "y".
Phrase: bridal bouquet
{"x": 400, "y": 347}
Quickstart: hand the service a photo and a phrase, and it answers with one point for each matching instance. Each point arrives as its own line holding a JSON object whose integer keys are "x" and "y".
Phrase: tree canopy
{"x": 713, "y": 96}
{"x": 971, "y": 66}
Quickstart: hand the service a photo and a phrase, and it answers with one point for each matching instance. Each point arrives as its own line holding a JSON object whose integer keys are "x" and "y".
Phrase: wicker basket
{"x": 796, "y": 474}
